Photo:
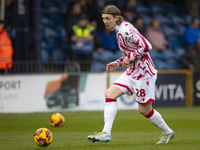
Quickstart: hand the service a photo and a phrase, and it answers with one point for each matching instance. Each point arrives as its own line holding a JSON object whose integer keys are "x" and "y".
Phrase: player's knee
{"x": 108, "y": 94}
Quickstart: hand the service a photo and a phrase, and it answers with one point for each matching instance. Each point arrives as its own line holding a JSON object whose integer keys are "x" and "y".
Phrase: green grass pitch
{"x": 131, "y": 131}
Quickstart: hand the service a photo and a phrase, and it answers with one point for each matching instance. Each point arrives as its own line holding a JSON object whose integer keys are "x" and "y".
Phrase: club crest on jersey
{"x": 126, "y": 33}
{"x": 147, "y": 82}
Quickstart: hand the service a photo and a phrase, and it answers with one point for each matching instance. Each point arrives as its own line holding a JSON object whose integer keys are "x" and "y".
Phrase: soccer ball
{"x": 57, "y": 120}
{"x": 43, "y": 137}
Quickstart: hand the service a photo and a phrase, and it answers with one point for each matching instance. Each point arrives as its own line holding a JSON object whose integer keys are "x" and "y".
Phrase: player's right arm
{"x": 115, "y": 64}
{"x": 119, "y": 61}
{"x": 111, "y": 66}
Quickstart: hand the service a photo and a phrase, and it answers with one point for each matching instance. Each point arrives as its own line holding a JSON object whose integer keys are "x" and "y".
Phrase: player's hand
{"x": 126, "y": 63}
{"x": 111, "y": 66}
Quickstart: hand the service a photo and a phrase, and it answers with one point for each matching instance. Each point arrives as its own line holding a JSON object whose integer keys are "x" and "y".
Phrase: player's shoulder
{"x": 127, "y": 29}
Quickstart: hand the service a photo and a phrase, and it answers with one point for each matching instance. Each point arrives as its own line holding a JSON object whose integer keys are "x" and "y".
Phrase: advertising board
{"x": 196, "y": 88}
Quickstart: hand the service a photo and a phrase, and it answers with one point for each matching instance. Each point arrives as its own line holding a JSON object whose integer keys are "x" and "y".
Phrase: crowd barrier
{"x": 22, "y": 93}
{"x": 34, "y": 67}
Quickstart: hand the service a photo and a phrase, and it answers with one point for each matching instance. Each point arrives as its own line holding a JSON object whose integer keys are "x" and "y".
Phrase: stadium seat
{"x": 44, "y": 44}
{"x": 48, "y": 32}
{"x": 52, "y": 9}
{"x": 120, "y": 69}
{"x": 57, "y": 20}
{"x": 161, "y": 65}
{"x": 105, "y": 56}
{"x": 173, "y": 64}
{"x": 100, "y": 60}
{"x": 168, "y": 31}
{"x": 140, "y": 2}
{"x": 61, "y": 32}
{"x": 64, "y": 43}
{"x": 156, "y": 9}
{"x": 176, "y": 20}
{"x": 155, "y": 55}
{"x": 179, "y": 51}
{"x": 174, "y": 42}
{"x": 168, "y": 54}
{"x": 49, "y": 7}
{"x": 58, "y": 55}
{"x": 47, "y": 3}
{"x": 117, "y": 54}
{"x": 119, "y": 3}
{"x": 168, "y": 8}
{"x": 63, "y": 7}
{"x": 98, "y": 66}
{"x": 142, "y": 9}
{"x": 162, "y": 19}
{"x": 44, "y": 55}
{"x": 187, "y": 19}
{"x": 52, "y": 43}
{"x": 146, "y": 19}
{"x": 46, "y": 21}
{"x": 180, "y": 30}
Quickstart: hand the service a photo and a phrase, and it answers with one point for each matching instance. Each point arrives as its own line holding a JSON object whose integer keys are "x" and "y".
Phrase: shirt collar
{"x": 116, "y": 28}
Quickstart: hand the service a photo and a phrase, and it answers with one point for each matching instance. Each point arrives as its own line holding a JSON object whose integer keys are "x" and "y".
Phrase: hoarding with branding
{"x": 196, "y": 88}
{"x": 60, "y": 92}
{"x": 173, "y": 88}
{"x": 170, "y": 90}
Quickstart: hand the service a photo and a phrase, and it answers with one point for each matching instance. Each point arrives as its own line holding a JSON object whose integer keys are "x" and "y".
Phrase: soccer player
{"x": 139, "y": 77}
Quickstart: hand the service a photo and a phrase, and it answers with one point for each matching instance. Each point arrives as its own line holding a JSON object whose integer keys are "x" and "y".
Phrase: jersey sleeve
{"x": 143, "y": 45}
{"x": 119, "y": 61}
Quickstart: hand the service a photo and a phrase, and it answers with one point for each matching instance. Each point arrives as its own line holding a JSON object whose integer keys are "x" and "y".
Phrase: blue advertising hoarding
{"x": 170, "y": 90}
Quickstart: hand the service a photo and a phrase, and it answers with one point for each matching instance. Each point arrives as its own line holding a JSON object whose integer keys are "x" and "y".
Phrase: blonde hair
{"x": 114, "y": 11}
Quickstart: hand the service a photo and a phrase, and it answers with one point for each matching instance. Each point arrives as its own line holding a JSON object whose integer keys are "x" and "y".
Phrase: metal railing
{"x": 39, "y": 67}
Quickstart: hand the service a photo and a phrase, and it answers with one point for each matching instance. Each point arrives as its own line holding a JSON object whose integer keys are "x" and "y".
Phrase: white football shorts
{"x": 144, "y": 89}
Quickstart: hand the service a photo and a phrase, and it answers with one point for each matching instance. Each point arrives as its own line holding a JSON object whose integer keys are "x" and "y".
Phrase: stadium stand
{"x": 55, "y": 44}
{"x": 173, "y": 27}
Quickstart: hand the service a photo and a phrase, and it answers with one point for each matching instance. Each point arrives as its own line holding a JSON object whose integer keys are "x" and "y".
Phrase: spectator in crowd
{"x": 94, "y": 12}
{"x": 130, "y": 5}
{"x": 192, "y": 7}
{"x": 128, "y": 11}
{"x": 103, "y": 3}
{"x": 73, "y": 14}
{"x": 10, "y": 20}
{"x": 139, "y": 25}
{"x": 81, "y": 3}
{"x": 156, "y": 37}
{"x": 190, "y": 59}
{"x": 161, "y": 53}
{"x": 6, "y": 49}
{"x": 108, "y": 39}
{"x": 128, "y": 15}
{"x": 82, "y": 42}
{"x": 192, "y": 33}
{"x": 9, "y": 12}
